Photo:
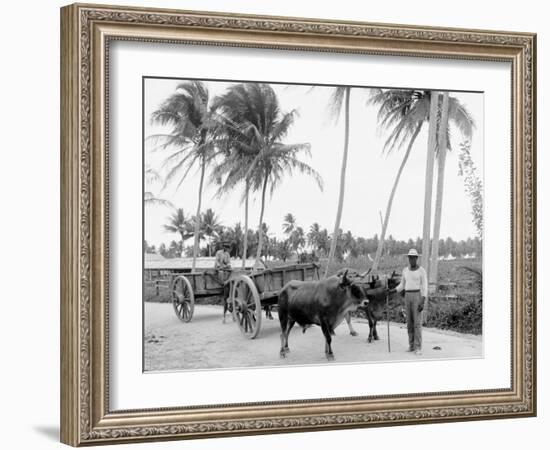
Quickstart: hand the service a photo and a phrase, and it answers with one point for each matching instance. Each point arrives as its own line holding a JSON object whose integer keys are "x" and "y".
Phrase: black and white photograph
{"x": 290, "y": 224}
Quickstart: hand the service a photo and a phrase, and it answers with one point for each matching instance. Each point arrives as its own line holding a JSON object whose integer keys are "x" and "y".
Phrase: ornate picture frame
{"x": 86, "y": 33}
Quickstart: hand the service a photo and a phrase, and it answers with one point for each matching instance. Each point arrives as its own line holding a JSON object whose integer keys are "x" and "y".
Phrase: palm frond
{"x": 283, "y": 125}
{"x": 399, "y": 112}
{"x": 187, "y": 164}
{"x": 461, "y": 117}
{"x": 335, "y": 103}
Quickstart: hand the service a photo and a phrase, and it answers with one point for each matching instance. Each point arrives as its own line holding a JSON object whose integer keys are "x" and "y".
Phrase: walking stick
{"x": 388, "y": 316}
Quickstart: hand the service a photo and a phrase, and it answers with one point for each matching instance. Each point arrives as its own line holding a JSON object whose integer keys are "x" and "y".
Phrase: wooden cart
{"x": 248, "y": 291}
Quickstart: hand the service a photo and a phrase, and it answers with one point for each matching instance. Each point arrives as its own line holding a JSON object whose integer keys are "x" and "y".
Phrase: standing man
{"x": 414, "y": 283}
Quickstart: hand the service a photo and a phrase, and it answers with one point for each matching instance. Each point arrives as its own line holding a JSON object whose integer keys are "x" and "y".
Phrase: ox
{"x": 354, "y": 274}
{"x": 376, "y": 293}
{"x": 324, "y": 303}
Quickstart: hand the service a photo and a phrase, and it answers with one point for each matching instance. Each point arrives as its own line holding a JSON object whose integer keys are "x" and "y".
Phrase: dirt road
{"x": 206, "y": 343}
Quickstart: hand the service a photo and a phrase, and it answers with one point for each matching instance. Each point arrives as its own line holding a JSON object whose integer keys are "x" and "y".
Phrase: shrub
{"x": 463, "y": 315}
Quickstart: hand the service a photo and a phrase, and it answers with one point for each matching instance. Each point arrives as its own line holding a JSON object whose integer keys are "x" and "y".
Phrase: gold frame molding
{"x": 86, "y": 31}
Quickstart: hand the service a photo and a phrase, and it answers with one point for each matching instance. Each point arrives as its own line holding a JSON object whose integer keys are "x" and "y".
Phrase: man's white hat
{"x": 412, "y": 252}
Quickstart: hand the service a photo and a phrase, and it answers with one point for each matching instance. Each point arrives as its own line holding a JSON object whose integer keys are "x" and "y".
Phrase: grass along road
{"x": 207, "y": 343}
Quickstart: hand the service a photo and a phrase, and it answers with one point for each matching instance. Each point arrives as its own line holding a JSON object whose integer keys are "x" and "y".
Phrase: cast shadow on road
{"x": 49, "y": 431}
{"x": 204, "y": 318}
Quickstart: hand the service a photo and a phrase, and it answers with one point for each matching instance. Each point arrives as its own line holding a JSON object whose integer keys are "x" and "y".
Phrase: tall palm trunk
{"x": 342, "y": 183}
{"x": 260, "y": 229}
{"x": 245, "y": 239}
{"x": 428, "y": 187}
{"x": 198, "y": 216}
{"x": 441, "y": 158}
{"x": 390, "y": 200}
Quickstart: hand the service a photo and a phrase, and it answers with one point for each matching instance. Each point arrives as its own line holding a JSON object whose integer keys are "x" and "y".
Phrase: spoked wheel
{"x": 183, "y": 298}
{"x": 246, "y": 306}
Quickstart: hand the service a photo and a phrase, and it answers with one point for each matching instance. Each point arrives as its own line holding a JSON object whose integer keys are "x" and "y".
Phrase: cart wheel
{"x": 247, "y": 306}
{"x": 183, "y": 298}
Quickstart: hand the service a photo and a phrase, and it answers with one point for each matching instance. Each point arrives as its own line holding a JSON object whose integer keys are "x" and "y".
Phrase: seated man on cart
{"x": 222, "y": 267}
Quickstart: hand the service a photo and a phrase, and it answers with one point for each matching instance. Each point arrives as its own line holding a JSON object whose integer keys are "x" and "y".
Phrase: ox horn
{"x": 345, "y": 279}
{"x": 363, "y": 275}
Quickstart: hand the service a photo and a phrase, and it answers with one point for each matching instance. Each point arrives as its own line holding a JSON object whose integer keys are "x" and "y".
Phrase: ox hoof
{"x": 354, "y": 333}
{"x": 283, "y": 352}
{"x": 330, "y": 357}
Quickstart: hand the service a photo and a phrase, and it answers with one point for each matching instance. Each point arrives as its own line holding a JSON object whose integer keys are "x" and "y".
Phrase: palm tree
{"x": 452, "y": 112}
{"x": 252, "y": 242}
{"x": 289, "y": 223}
{"x": 341, "y": 95}
{"x": 313, "y": 235}
{"x": 192, "y": 138}
{"x": 233, "y": 234}
{"x": 324, "y": 241}
{"x": 240, "y": 151}
{"x": 264, "y": 231}
{"x": 252, "y": 110}
{"x": 270, "y": 247}
{"x": 238, "y": 237}
{"x": 428, "y": 186}
{"x": 297, "y": 239}
{"x": 175, "y": 249}
{"x": 403, "y": 112}
{"x": 231, "y": 170}
{"x": 210, "y": 227}
{"x": 282, "y": 250}
{"x": 349, "y": 244}
{"x": 439, "y": 152}
{"x": 178, "y": 223}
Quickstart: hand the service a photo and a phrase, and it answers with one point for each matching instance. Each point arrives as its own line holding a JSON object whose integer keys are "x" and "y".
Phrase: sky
{"x": 369, "y": 177}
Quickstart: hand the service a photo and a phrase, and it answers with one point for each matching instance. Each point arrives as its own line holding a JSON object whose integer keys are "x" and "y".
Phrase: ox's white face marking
{"x": 352, "y": 307}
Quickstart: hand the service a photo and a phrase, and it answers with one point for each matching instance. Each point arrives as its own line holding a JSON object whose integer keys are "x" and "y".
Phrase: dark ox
{"x": 324, "y": 303}
{"x": 376, "y": 294}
